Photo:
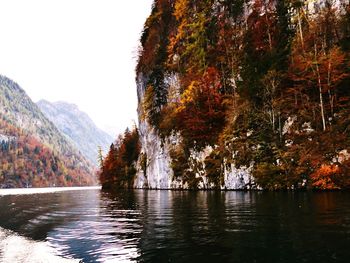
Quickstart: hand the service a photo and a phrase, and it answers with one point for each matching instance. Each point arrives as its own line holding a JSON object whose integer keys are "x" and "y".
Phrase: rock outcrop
{"x": 154, "y": 167}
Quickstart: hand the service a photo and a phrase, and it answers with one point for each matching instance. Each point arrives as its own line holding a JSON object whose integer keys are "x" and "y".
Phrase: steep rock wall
{"x": 156, "y": 172}
{"x": 154, "y": 167}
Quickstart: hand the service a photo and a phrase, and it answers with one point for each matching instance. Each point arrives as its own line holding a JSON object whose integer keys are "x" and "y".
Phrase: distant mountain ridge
{"x": 77, "y": 126}
{"x": 22, "y": 112}
{"x": 33, "y": 151}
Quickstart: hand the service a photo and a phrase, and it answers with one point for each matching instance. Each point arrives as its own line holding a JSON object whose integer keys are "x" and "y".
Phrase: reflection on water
{"x": 180, "y": 226}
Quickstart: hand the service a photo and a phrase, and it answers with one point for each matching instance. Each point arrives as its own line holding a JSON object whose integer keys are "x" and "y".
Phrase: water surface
{"x": 181, "y": 226}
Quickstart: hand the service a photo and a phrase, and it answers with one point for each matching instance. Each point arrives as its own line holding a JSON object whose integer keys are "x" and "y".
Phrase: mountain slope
{"x": 77, "y": 126}
{"x": 32, "y": 148}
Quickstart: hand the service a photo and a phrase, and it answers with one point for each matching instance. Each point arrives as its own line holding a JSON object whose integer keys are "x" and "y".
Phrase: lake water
{"x": 174, "y": 226}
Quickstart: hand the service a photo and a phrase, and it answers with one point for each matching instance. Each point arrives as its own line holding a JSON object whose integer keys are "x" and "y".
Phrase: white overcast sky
{"x": 78, "y": 51}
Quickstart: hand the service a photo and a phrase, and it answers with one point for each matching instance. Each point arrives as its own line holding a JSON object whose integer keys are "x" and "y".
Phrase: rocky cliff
{"x": 155, "y": 167}
{"x": 244, "y": 94}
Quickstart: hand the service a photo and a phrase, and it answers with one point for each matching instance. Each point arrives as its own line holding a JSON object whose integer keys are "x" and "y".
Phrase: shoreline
{"x": 43, "y": 190}
{"x": 110, "y": 189}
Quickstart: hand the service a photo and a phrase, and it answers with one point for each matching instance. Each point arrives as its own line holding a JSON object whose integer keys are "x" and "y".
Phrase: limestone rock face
{"x": 237, "y": 178}
{"x": 154, "y": 167}
{"x": 158, "y": 173}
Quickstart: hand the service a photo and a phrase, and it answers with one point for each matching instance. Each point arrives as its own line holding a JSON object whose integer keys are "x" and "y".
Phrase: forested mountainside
{"x": 77, "y": 126}
{"x": 237, "y": 94}
{"x": 33, "y": 152}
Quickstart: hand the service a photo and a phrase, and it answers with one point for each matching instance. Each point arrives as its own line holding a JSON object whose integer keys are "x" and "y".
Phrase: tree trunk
{"x": 331, "y": 97}
{"x": 320, "y": 90}
{"x": 300, "y": 30}
{"x": 268, "y": 26}
{"x": 279, "y": 126}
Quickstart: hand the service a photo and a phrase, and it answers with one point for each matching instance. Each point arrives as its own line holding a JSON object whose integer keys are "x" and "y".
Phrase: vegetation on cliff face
{"x": 118, "y": 168}
{"x": 266, "y": 82}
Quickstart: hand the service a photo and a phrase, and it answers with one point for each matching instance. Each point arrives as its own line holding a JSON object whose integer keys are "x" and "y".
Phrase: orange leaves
{"x": 323, "y": 177}
{"x": 208, "y": 86}
{"x": 26, "y": 162}
{"x": 119, "y": 165}
{"x": 331, "y": 66}
{"x": 181, "y": 8}
{"x": 187, "y": 47}
{"x": 188, "y": 96}
{"x": 317, "y": 73}
{"x": 200, "y": 113}
{"x": 269, "y": 61}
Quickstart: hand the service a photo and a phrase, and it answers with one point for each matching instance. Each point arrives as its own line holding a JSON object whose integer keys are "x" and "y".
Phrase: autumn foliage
{"x": 200, "y": 113}
{"x": 26, "y": 162}
{"x": 118, "y": 168}
{"x": 265, "y": 81}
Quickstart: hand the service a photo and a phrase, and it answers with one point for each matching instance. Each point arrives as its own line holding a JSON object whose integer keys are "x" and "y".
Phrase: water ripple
{"x": 163, "y": 226}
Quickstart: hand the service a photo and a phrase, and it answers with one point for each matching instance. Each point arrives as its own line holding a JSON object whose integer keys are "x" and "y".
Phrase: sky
{"x": 79, "y": 51}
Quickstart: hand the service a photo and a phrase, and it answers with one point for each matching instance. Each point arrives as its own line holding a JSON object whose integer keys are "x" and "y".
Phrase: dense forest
{"x": 33, "y": 153}
{"x": 265, "y": 83}
{"x": 27, "y": 162}
{"x": 118, "y": 168}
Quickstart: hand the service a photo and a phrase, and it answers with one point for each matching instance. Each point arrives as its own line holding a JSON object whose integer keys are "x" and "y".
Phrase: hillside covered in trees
{"x": 33, "y": 153}
{"x": 26, "y": 162}
{"x": 259, "y": 85}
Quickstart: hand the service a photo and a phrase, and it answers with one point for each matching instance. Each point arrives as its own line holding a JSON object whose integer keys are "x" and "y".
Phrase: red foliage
{"x": 118, "y": 166}
{"x": 26, "y": 162}
{"x": 262, "y": 23}
{"x": 323, "y": 177}
{"x": 201, "y": 113}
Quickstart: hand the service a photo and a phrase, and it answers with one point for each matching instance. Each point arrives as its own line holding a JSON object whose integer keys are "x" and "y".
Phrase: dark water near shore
{"x": 181, "y": 226}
